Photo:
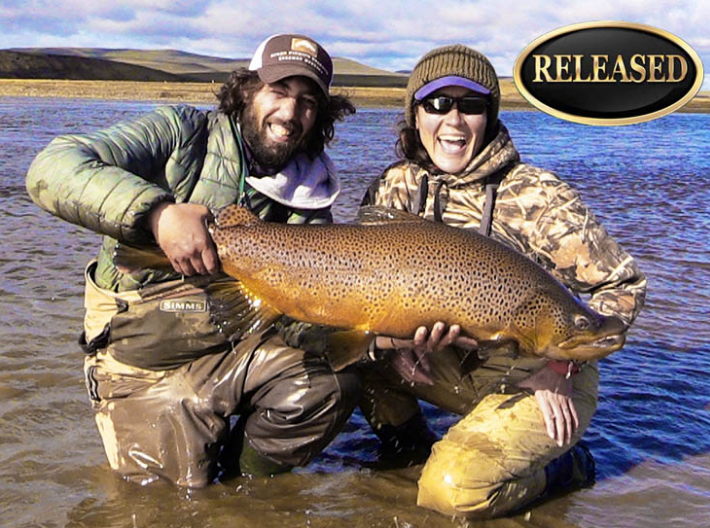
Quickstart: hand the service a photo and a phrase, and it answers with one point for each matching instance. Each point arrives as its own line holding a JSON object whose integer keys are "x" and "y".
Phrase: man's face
{"x": 277, "y": 122}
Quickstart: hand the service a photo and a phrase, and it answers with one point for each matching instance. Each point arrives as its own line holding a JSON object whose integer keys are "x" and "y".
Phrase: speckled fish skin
{"x": 391, "y": 278}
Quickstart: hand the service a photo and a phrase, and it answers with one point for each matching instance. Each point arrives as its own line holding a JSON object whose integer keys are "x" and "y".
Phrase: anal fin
{"x": 346, "y": 347}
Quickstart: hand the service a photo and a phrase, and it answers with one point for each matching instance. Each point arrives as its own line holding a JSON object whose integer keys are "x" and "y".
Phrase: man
{"x": 163, "y": 380}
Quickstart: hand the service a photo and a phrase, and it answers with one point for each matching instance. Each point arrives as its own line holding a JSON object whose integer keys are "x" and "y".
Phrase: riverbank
{"x": 202, "y": 93}
{"x": 205, "y": 93}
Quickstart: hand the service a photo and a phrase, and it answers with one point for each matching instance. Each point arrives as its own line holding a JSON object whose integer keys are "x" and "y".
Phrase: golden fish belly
{"x": 387, "y": 279}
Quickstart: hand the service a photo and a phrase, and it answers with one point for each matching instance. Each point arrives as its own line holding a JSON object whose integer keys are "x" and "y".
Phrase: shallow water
{"x": 650, "y": 437}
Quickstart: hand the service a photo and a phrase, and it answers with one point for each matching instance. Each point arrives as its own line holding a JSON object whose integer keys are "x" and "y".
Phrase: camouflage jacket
{"x": 535, "y": 212}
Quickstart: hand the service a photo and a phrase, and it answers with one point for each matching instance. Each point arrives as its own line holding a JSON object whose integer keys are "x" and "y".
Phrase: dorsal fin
{"x": 234, "y": 215}
{"x": 377, "y": 215}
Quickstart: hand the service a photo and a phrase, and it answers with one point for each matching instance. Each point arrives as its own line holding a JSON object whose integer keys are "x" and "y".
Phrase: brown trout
{"x": 394, "y": 272}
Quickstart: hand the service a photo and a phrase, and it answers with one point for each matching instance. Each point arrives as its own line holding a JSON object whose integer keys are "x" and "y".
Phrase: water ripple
{"x": 650, "y": 435}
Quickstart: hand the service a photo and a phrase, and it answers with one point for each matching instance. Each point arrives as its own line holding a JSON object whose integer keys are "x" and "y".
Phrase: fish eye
{"x": 582, "y": 323}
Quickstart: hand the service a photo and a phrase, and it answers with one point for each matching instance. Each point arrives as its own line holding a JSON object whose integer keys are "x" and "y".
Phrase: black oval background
{"x": 608, "y": 100}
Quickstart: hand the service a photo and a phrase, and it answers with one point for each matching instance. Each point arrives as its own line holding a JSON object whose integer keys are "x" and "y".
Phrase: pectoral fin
{"x": 128, "y": 259}
{"x": 236, "y": 311}
{"x": 507, "y": 348}
{"x": 346, "y": 347}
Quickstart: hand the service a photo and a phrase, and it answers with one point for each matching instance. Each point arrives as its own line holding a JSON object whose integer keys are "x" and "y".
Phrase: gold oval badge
{"x": 608, "y": 73}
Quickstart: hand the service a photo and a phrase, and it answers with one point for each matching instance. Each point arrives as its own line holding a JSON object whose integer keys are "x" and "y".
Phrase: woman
{"x": 522, "y": 416}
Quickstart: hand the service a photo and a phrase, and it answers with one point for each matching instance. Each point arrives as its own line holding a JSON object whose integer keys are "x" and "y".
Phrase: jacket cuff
{"x": 142, "y": 226}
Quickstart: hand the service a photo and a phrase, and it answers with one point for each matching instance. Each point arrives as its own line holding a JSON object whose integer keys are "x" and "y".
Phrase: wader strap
{"x": 243, "y": 199}
{"x": 437, "y": 201}
{"x": 487, "y": 218}
{"x": 419, "y": 204}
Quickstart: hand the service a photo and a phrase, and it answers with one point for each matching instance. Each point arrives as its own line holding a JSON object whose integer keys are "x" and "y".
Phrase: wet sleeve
{"x": 108, "y": 180}
{"x": 570, "y": 242}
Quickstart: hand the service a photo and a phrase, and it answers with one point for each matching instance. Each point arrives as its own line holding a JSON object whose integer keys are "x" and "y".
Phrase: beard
{"x": 269, "y": 156}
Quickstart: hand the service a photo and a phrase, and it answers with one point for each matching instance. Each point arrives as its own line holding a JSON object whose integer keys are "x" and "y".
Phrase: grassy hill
{"x": 189, "y": 77}
{"x": 184, "y": 66}
{"x": 18, "y": 65}
{"x": 171, "y": 61}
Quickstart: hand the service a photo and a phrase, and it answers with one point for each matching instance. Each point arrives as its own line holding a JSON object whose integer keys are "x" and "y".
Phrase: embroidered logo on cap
{"x": 305, "y": 46}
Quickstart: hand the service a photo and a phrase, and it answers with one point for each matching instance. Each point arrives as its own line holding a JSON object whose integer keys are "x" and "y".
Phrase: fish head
{"x": 558, "y": 326}
{"x": 591, "y": 336}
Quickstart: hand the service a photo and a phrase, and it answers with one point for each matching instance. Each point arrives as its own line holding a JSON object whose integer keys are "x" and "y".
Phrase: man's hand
{"x": 554, "y": 395}
{"x": 410, "y": 359}
{"x": 181, "y": 232}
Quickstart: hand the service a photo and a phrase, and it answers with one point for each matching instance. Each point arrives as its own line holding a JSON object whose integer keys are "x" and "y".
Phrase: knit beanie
{"x": 458, "y": 60}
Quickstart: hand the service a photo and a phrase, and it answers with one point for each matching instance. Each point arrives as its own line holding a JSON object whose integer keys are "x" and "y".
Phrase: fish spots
{"x": 395, "y": 277}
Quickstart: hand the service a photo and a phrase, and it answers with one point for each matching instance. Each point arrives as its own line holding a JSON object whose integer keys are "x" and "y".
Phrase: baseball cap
{"x": 285, "y": 55}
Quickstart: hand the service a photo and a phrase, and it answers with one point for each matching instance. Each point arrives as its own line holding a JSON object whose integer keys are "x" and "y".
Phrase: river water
{"x": 650, "y": 436}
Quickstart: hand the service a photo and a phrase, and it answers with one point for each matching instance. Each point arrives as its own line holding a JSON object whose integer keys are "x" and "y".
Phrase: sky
{"x": 387, "y": 34}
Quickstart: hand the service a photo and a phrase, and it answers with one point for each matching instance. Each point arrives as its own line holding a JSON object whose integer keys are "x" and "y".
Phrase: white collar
{"x": 302, "y": 184}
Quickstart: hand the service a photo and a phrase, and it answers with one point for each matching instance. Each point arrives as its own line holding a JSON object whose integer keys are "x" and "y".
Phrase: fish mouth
{"x": 576, "y": 348}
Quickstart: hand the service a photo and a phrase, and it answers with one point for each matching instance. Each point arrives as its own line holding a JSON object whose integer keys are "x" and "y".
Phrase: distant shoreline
{"x": 168, "y": 92}
{"x": 199, "y": 93}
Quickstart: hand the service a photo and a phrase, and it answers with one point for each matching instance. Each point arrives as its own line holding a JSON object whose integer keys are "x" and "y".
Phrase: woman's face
{"x": 454, "y": 138}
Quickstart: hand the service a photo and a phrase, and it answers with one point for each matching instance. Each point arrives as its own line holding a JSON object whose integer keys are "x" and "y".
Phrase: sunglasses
{"x": 442, "y": 104}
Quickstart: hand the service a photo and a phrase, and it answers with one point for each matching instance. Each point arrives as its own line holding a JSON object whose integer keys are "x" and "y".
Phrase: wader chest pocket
{"x": 169, "y": 326}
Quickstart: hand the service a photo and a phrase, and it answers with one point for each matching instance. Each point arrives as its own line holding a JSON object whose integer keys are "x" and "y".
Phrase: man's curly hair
{"x": 238, "y": 92}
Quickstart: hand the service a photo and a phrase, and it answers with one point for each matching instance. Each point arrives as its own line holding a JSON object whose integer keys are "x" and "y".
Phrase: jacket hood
{"x": 497, "y": 154}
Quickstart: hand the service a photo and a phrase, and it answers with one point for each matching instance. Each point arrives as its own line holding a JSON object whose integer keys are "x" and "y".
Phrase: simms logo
{"x": 182, "y": 305}
{"x": 608, "y": 73}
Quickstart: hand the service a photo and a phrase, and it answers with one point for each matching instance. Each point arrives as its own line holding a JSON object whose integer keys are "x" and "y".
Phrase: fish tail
{"x": 234, "y": 215}
{"x": 237, "y": 311}
{"x": 129, "y": 259}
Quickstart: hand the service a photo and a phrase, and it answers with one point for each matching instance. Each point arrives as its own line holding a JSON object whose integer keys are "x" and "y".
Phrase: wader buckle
{"x": 100, "y": 341}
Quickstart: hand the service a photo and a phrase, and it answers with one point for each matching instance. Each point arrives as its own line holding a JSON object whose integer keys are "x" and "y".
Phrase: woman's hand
{"x": 410, "y": 358}
{"x": 181, "y": 232}
{"x": 553, "y": 392}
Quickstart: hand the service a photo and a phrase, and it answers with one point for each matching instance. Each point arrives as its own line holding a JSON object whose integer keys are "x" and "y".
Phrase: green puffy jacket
{"x": 107, "y": 181}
